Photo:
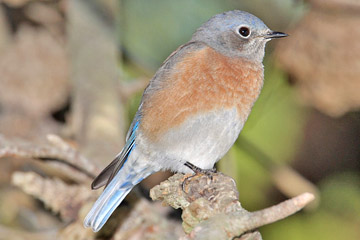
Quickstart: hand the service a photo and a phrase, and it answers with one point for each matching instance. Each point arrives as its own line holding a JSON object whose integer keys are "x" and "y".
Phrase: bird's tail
{"x": 113, "y": 195}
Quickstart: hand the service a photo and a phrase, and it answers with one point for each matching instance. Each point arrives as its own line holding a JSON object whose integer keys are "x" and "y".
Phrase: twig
{"x": 279, "y": 211}
{"x": 58, "y": 150}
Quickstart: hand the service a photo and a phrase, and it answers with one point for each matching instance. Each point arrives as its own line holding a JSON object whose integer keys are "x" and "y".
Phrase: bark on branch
{"x": 211, "y": 209}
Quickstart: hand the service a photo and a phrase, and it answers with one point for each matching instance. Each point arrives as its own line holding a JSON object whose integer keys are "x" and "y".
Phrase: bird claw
{"x": 198, "y": 171}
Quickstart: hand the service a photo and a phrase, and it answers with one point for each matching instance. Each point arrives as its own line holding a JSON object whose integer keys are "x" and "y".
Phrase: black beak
{"x": 272, "y": 34}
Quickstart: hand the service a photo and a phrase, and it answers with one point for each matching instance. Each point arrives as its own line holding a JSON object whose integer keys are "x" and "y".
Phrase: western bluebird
{"x": 193, "y": 109}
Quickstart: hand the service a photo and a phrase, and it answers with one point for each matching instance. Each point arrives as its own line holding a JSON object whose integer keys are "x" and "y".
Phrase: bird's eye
{"x": 244, "y": 32}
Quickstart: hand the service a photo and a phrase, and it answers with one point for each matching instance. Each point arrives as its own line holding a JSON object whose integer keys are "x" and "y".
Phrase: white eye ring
{"x": 243, "y": 31}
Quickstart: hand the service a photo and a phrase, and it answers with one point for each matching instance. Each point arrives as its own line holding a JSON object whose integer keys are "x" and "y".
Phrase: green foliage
{"x": 341, "y": 195}
{"x": 337, "y": 217}
{"x": 153, "y": 29}
{"x": 318, "y": 225}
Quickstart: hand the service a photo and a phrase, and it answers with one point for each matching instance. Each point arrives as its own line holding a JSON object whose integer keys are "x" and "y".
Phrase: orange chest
{"x": 217, "y": 81}
{"x": 203, "y": 81}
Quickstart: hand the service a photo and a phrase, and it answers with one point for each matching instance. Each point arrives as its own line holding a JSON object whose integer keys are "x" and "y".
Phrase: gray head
{"x": 236, "y": 34}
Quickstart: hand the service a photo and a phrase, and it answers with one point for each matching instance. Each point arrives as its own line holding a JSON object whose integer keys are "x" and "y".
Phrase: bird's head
{"x": 236, "y": 34}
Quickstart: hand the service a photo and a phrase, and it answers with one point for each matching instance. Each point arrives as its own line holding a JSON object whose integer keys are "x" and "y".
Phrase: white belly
{"x": 200, "y": 140}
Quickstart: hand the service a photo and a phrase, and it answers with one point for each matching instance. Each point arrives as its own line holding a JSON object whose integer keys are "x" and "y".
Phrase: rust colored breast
{"x": 203, "y": 81}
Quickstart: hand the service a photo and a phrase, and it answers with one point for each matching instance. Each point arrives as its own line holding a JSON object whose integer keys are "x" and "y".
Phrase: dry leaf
{"x": 322, "y": 54}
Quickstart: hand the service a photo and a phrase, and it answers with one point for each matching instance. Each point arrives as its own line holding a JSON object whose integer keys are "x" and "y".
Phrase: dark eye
{"x": 244, "y": 32}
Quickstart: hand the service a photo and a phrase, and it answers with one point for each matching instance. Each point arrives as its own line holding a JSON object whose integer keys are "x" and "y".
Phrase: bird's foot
{"x": 198, "y": 171}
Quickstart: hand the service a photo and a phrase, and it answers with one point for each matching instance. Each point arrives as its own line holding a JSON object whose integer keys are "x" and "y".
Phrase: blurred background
{"x": 77, "y": 69}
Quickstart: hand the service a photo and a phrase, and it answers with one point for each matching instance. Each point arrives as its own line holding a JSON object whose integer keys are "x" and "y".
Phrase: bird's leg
{"x": 200, "y": 170}
{"x": 197, "y": 170}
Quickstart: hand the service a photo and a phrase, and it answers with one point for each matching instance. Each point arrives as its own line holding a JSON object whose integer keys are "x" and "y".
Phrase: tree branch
{"x": 211, "y": 209}
{"x": 60, "y": 197}
{"x": 73, "y": 165}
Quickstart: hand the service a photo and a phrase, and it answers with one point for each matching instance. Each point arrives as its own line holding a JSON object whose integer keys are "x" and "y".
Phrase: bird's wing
{"x": 109, "y": 172}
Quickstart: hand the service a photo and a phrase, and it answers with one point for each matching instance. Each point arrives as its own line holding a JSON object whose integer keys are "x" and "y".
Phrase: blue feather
{"x": 120, "y": 185}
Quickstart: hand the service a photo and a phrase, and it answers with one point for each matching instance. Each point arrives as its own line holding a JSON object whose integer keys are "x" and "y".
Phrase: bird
{"x": 192, "y": 110}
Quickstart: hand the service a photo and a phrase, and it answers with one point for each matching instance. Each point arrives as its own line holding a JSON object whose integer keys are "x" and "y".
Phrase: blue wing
{"x": 110, "y": 171}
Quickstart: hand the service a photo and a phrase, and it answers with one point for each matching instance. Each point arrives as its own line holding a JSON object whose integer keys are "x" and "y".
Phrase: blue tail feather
{"x": 123, "y": 178}
{"x": 112, "y": 196}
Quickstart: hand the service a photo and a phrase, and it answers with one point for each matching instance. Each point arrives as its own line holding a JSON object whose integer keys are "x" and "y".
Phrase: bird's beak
{"x": 272, "y": 34}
